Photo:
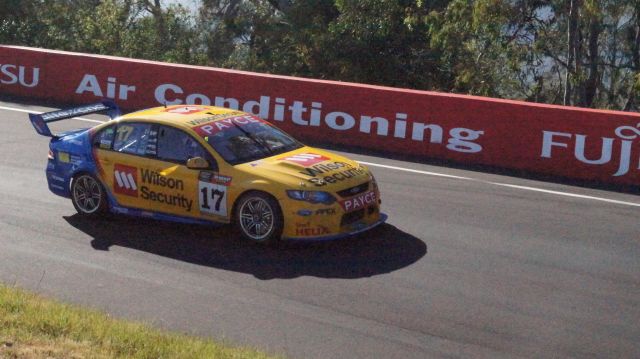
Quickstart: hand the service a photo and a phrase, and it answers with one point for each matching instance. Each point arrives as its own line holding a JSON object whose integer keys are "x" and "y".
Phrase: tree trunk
{"x": 591, "y": 85}
{"x": 572, "y": 22}
{"x": 635, "y": 55}
{"x": 155, "y": 9}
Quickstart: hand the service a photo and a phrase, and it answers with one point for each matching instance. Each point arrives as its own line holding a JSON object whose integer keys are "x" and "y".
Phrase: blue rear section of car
{"x": 71, "y": 155}
{"x": 71, "y": 150}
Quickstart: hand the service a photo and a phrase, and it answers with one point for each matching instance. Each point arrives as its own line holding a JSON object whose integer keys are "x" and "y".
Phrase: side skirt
{"x": 162, "y": 216}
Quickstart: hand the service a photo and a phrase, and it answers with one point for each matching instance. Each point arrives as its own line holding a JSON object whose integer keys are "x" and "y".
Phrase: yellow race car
{"x": 205, "y": 164}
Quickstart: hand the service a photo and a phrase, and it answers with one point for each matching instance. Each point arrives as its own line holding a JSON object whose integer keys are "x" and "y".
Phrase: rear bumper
{"x": 330, "y": 237}
{"x": 58, "y": 183}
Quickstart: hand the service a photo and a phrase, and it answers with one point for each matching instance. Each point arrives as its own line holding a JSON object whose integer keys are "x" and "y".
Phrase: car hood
{"x": 310, "y": 168}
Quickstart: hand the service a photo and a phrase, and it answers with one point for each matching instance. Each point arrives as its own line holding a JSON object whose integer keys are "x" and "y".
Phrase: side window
{"x": 177, "y": 146}
{"x": 135, "y": 138}
{"x": 104, "y": 138}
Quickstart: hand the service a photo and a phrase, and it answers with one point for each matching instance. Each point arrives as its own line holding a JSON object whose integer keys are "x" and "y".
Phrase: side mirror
{"x": 197, "y": 163}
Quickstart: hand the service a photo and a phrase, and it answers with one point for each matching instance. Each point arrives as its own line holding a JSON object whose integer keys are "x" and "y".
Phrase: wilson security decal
{"x": 150, "y": 186}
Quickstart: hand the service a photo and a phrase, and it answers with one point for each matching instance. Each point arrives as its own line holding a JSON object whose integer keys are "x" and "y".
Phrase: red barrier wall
{"x": 563, "y": 141}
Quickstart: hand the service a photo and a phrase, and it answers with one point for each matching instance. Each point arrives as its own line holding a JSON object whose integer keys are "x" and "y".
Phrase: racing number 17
{"x": 213, "y": 195}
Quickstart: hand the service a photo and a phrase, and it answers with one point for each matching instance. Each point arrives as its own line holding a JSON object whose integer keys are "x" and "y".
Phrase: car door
{"x": 125, "y": 152}
{"x": 205, "y": 197}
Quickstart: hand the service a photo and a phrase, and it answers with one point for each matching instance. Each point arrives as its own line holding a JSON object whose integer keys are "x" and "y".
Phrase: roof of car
{"x": 184, "y": 115}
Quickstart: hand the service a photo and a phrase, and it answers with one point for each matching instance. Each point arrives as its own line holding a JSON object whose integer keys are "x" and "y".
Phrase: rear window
{"x": 104, "y": 138}
{"x": 135, "y": 138}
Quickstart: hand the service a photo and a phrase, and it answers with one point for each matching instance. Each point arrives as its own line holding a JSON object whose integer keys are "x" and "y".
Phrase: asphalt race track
{"x": 469, "y": 265}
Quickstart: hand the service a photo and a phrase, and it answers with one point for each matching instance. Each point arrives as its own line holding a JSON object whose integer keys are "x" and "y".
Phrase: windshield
{"x": 245, "y": 138}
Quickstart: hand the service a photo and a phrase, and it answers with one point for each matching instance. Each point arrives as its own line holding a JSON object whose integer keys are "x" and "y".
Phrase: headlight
{"x": 311, "y": 196}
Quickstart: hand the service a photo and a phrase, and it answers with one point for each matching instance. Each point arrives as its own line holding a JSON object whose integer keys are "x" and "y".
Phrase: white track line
{"x": 436, "y": 174}
{"x": 39, "y": 112}
{"x": 526, "y": 188}
{"x": 566, "y": 194}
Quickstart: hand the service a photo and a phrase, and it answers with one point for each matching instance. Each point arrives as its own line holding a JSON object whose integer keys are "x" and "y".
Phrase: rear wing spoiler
{"x": 40, "y": 121}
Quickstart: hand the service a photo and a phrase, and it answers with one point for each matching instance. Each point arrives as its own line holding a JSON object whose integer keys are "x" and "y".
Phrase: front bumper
{"x": 363, "y": 228}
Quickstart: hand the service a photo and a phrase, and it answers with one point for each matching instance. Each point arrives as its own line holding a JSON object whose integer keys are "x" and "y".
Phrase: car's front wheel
{"x": 258, "y": 218}
{"x": 88, "y": 195}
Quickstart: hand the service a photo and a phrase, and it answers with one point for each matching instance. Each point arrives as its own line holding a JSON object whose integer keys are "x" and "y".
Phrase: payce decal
{"x": 624, "y": 142}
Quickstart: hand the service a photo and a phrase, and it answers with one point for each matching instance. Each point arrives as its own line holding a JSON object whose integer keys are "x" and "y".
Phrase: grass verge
{"x": 35, "y": 327}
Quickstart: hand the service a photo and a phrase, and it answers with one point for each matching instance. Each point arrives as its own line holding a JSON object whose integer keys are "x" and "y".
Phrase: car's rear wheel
{"x": 259, "y": 218}
{"x": 88, "y": 195}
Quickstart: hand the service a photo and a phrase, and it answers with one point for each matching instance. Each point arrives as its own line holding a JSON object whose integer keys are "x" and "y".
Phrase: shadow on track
{"x": 381, "y": 250}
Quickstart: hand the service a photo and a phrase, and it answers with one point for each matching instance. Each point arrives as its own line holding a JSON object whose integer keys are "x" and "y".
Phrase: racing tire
{"x": 258, "y": 218}
{"x": 88, "y": 196}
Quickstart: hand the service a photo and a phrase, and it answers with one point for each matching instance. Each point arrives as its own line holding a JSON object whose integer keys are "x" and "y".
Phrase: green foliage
{"x": 114, "y": 27}
{"x": 585, "y": 54}
{"x": 382, "y": 42}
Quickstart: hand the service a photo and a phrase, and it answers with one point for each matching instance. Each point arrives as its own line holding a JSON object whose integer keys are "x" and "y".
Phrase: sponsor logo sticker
{"x": 184, "y": 110}
{"x": 75, "y": 159}
{"x": 200, "y": 121}
{"x": 305, "y": 159}
{"x": 56, "y": 178}
{"x": 125, "y": 180}
{"x": 50, "y": 116}
{"x": 222, "y": 124}
{"x": 325, "y": 211}
{"x": 214, "y": 177}
{"x": 306, "y": 230}
{"x": 359, "y": 201}
{"x": 64, "y": 157}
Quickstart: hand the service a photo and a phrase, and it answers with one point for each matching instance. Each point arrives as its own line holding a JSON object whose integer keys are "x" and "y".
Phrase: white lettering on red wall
{"x": 457, "y": 139}
{"x": 90, "y": 84}
{"x": 16, "y": 74}
{"x": 622, "y": 147}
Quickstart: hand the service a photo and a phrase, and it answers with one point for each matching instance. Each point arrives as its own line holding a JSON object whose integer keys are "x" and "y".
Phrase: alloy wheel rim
{"x": 256, "y": 218}
{"x": 87, "y": 194}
